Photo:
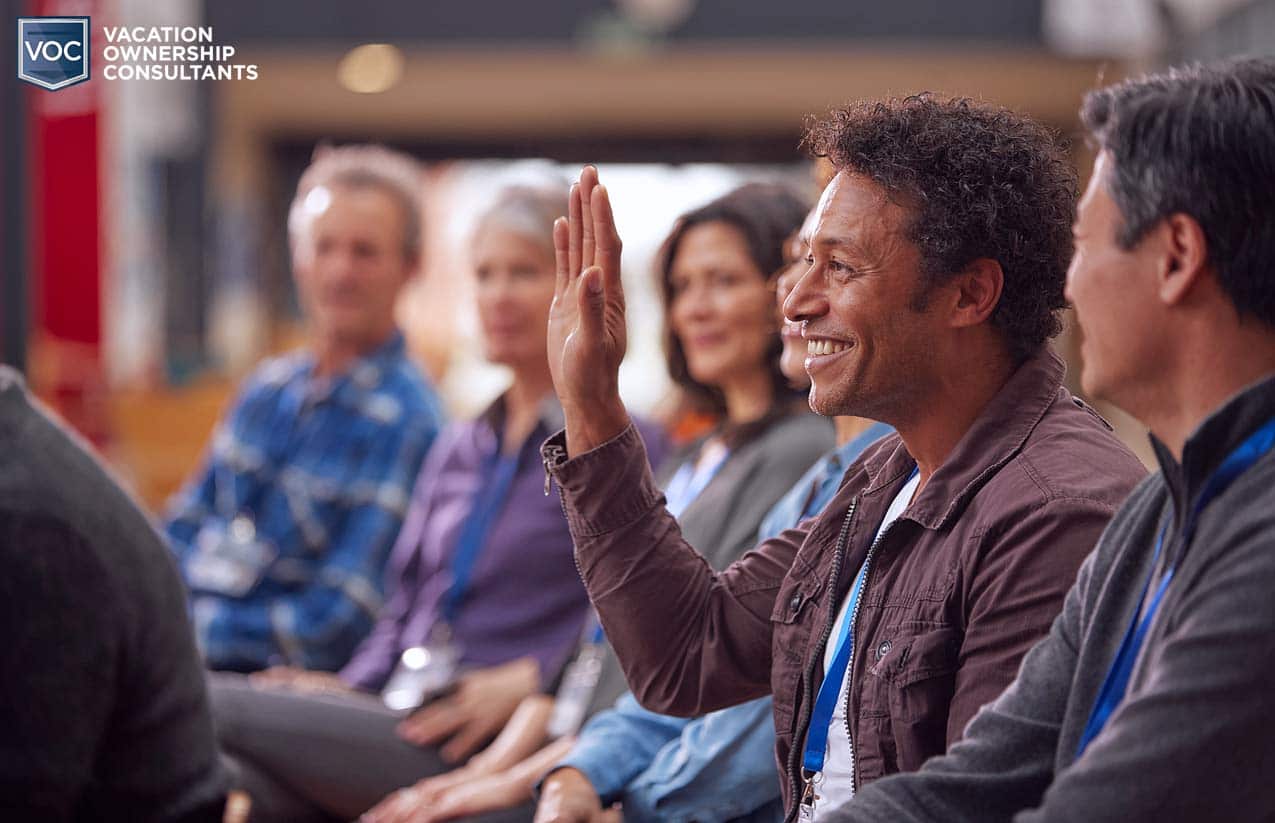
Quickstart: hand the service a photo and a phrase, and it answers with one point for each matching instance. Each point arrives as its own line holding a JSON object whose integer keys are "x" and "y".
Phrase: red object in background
{"x": 66, "y": 332}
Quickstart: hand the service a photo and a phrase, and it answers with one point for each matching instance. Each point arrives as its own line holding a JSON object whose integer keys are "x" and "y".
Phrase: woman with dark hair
{"x": 723, "y": 345}
{"x": 746, "y": 221}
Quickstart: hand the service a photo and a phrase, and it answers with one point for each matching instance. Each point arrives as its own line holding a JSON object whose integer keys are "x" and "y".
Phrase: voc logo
{"x": 53, "y": 52}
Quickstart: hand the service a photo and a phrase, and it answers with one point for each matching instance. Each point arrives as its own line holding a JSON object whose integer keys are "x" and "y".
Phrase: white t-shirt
{"x": 837, "y": 785}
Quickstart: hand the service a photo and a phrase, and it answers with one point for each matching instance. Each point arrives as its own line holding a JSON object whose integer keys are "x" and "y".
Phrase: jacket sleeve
{"x": 1005, "y": 760}
{"x": 1023, "y": 572}
{"x": 690, "y": 640}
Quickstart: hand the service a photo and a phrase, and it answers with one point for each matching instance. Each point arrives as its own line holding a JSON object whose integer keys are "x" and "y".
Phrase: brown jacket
{"x": 965, "y": 581}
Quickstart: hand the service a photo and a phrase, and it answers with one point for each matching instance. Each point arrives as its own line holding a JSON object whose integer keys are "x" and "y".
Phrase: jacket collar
{"x": 996, "y": 436}
{"x": 1213, "y": 441}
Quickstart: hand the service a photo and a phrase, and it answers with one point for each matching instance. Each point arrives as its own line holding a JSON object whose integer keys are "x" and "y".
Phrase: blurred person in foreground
{"x": 483, "y": 589}
{"x": 934, "y": 284}
{"x": 721, "y": 766}
{"x": 723, "y": 347}
{"x": 283, "y": 534}
{"x": 1151, "y": 697}
{"x": 104, "y": 715}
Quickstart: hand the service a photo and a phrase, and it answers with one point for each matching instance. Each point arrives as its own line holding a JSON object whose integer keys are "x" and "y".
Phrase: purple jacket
{"x": 524, "y": 597}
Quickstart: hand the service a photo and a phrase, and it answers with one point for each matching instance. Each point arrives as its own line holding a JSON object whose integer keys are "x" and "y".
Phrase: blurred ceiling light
{"x": 370, "y": 69}
{"x": 657, "y": 15}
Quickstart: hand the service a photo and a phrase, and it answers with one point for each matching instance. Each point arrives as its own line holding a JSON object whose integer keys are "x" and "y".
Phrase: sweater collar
{"x": 1212, "y": 441}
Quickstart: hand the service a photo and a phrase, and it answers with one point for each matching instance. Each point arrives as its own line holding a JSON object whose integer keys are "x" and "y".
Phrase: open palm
{"x": 587, "y": 328}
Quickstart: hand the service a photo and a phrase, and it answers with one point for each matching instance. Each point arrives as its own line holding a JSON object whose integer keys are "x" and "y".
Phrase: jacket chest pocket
{"x": 791, "y": 625}
{"x": 908, "y": 690}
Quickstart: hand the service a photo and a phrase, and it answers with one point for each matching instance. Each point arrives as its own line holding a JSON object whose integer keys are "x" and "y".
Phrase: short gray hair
{"x": 365, "y": 166}
{"x": 527, "y": 210}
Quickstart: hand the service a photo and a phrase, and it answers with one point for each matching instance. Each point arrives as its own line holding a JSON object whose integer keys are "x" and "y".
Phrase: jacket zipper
{"x": 854, "y": 648}
{"x": 798, "y": 740}
{"x": 553, "y": 456}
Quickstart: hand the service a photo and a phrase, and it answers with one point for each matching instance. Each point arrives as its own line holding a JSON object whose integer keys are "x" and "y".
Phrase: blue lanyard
{"x": 689, "y": 482}
{"x": 488, "y": 501}
{"x": 830, "y": 689}
{"x": 593, "y": 633}
{"x": 1116, "y": 682}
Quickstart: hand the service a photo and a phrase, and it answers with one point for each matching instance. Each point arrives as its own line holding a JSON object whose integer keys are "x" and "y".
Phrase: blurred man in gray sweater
{"x": 103, "y": 710}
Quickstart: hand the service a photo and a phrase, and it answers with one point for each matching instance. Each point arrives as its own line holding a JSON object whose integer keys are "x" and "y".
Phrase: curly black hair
{"x": 980, "y": 182}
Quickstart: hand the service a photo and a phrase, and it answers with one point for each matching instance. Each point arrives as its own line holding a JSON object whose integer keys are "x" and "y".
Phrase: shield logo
{"x": 53, "y": 52}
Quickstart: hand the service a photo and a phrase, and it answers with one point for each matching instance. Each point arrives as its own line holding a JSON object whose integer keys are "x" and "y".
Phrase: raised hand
{"x": 587, "y": 329}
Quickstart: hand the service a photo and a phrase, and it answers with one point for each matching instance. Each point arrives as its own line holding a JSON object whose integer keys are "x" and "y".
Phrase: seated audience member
{"x": 720, "y": 766}
{"x": 283, "y": 534}
{"x": 723, "y": 346}
{"x": 105, "y": 714}
{"x": 481, "y": 580}
{"x": 1150, "y": 697}
{"x": 934, "y": 284}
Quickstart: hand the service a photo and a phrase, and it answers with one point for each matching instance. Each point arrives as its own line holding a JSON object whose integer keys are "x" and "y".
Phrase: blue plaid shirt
{"x": 282, "y": 535}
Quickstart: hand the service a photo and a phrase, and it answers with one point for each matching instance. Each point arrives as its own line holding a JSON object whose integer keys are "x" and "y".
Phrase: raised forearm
{"x": 668, "y": 615}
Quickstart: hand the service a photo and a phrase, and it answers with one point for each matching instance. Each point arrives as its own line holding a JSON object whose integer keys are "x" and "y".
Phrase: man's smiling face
{"x": 861, "y": 300}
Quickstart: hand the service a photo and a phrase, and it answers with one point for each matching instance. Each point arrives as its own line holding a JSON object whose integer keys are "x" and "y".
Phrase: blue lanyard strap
{"x": 488, "y": 501}
{"x": 830, "y": 689}
{"x": 1116, "y": 683}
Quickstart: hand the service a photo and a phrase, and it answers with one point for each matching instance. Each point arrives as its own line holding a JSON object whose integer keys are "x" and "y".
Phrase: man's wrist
{"x": 590, "y": 426}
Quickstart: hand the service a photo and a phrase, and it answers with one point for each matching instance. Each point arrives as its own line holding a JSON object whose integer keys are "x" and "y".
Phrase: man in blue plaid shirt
{"x": 283, "y": 533}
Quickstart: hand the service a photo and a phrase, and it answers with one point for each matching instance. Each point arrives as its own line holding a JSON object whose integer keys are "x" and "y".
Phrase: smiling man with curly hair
{"x": 934, "y": 283}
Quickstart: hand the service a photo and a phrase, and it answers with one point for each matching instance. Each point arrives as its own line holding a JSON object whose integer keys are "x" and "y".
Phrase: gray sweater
{"x": 1194, "y": 738}
{"x": 103, "y": 711}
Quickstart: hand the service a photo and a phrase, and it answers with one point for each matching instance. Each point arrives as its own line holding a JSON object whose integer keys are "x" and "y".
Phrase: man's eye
{"x": 810, "y": 259}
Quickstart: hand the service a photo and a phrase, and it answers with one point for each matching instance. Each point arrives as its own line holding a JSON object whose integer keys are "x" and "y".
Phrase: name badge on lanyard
{"x": 228, "y": 558}
{"x": 426, "y": 671}
{"x": 571, "y": 703}
{"x": 423, "y": 673}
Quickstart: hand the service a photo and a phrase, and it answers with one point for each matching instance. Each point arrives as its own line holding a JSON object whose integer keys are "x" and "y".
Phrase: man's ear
{"x": 978, "y": 290}
{"x": 1186, "y": 257}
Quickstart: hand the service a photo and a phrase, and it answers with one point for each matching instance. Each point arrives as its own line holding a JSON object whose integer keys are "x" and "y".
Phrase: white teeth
{"x": 822, "y": 347}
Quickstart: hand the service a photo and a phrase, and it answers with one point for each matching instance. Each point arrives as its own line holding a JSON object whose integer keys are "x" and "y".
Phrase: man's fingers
{"x": 561, "y": 252}
{"x": 608, "y": 243}
{"x": 588, "y": 180}
{"x": 574, "y": 221}
{"x": 591, "y": 305}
